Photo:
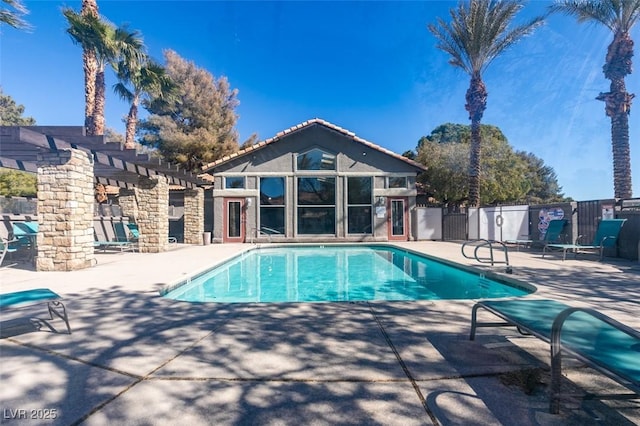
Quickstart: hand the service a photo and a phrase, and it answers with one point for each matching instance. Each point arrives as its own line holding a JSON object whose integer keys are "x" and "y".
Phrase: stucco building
{"x": 314, "y": 182}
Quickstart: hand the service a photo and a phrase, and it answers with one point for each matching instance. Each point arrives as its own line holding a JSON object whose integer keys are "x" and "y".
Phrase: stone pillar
{"x": 193, "y": 215}
{"x": 153, "y": 214}
{"x": 128, "y": 203}
{"x": 65, "y": 211}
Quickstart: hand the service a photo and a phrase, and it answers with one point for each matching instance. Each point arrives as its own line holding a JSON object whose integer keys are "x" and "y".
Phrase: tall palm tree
{"x": 619, "y": 16}
{"x": 90, "y": 67}
{"x": 478, "y": 33}
{"x": 115, "y": 43}
{"x": 105, "y": 44}
{"x": 90, "y": 33}
{"x": 137, "y": 81}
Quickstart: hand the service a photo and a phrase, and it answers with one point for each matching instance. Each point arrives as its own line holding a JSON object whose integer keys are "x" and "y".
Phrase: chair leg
{"x": 57, "y": 308}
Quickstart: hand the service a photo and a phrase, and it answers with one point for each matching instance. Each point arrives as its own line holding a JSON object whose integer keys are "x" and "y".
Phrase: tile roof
{"x": 306, "y": 124}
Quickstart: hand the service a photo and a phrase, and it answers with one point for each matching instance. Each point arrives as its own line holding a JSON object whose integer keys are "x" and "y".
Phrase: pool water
{"x": 337, "y": 273}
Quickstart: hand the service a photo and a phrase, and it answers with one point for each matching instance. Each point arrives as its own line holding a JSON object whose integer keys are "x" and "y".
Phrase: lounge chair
{"x": 26, "y": 298}
{"x": 597, "y": 340}
{"x": 554, "y": 232}
{"x": 606, "y": 236}
{"x": 135, "y": 233}
{"x": 121, "y": 240}
{"x": 7, "y": 247}
{"x": 26, "y": 234}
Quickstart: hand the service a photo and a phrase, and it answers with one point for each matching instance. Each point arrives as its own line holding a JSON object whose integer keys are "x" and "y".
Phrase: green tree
{"x": 619, "y": 16}
{"x": 446, "y": 178}
{"x": 250, "y": 141}
{"x": 16, "y": 183}
{"x": 197, "y": 125}
{"x": 478, "y": 33}
{"x": 507, "y": 176}
{"x": 11, "y": 114}
{"x": 112, "y": 135}
{"x": 542, "y": 181}
{"x": 12, "y": 15}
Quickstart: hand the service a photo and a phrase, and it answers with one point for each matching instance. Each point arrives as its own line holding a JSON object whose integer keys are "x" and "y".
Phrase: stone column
{"x": 65, "y": 211}
{"x": 193, "y": 215}
{"x": 128, "y": 203}
{"x": 153, "y": 214}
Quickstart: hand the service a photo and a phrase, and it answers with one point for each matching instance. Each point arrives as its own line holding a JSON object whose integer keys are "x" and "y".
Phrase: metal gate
{"x": 454, "y": 226}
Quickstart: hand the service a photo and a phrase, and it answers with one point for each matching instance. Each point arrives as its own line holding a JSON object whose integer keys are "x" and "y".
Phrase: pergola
{"x": 68, "y": 164}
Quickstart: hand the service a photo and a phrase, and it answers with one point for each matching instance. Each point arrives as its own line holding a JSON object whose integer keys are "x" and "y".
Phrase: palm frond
{"x": 617, "y": 15}
{"x": 479, "y": 32}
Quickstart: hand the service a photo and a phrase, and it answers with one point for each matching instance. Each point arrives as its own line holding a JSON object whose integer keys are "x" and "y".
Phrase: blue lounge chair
{"x": 7, "y": 247}
{"x": 135, "y": 233}
{"x": 26, "y": 298}
{"x": 26, "y": 234}
{"x": 606, "y": 236}
{"x": 554, "y": 232}
{"x": 597, "y": 340}
{"x": 121, "y": 240}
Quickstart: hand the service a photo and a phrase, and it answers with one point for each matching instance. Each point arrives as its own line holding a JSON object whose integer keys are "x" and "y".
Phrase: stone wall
{"x": 193, "y": 215}
{"x": 65, "y": 211}
{"x": 128, "y": 202}
{"x": 153, "y": 214}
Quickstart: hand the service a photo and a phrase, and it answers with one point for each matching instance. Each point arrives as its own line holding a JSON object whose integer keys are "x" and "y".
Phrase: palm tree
{"x": 140, "y": 80}
{"x": 619, "y": 16}
{"x": 13, "y": 18}
{"x": 104, "y": 44}
{"x": 477, "y": 34}
{"x": 90, "y": 33}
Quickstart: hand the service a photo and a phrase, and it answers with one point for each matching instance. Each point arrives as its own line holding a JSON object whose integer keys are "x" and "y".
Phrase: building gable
{"x": 279, "y": 153}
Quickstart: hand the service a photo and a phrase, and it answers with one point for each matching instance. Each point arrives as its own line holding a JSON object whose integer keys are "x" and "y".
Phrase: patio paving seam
{"x": 72, "y": 358}
{"x": 139, "y": 379}
{"x": 404, "y": 367}
{"x": 268, "y": 380}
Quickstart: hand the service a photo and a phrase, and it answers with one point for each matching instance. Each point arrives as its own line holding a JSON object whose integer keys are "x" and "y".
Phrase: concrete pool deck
{"x": 136, "y": 358}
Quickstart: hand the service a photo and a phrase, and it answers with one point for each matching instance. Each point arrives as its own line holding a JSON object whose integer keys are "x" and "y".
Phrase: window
{"x": 272, "y": 205}
{"x": 397, "y": 182}
{"x": 359, "y": 201}
{"x": 316, "y": 205}
{"x": 234, "y": 182}
{"x": 316, "y": 159}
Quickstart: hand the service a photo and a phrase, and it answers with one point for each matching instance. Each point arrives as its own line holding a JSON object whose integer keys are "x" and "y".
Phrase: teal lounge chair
{"x": 555, "y": 230}
{"x": 597, "y": 340}
{"x": 26, "y": 234}
{"x": 7, "y": 247}
{"x": 121, "y": 240}
{"x": 135, "y": 232}
{"x": 26, "y": 298}
{"x": 606, "y": 236}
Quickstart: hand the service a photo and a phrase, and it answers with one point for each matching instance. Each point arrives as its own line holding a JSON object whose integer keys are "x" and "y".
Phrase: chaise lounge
{"x": 606, "y": 236}
{"x": 120, "y": 239}
{"x": 554, "y": 231}
{"x": 26, "y": 298}
{"x": 597, "y": 340}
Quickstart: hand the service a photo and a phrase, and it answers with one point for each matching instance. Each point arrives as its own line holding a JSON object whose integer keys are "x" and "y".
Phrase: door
{"x": 234, "y": 220}
{"x": 397, "y": 219}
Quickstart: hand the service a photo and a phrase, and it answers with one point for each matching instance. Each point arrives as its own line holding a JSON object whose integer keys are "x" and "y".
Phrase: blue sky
{"x": 369, "y": 67}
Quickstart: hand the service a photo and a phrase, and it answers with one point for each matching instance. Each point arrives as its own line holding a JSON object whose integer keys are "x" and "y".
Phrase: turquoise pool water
{"x": 337, "y": 273}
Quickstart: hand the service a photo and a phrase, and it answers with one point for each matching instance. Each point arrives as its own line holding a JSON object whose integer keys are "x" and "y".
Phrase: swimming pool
{"x": 338, "y": 273}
